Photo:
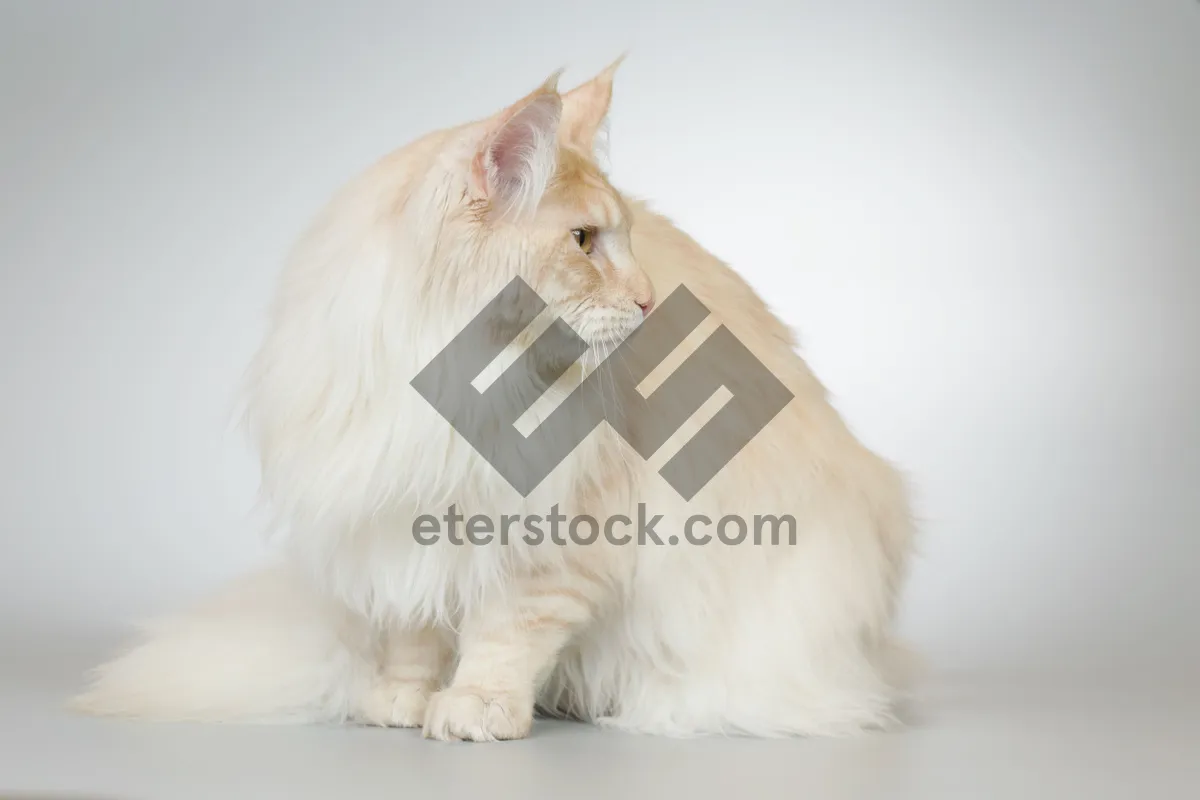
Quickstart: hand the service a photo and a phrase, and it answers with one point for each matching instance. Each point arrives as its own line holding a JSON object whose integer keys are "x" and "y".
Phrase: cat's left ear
{"x": 585, "y": 108}
{"x": 518, "y": 152}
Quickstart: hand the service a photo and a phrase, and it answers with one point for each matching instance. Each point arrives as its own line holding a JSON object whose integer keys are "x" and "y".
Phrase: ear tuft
{"x": 551, "y": 84}
{"x": 519, "y": 156}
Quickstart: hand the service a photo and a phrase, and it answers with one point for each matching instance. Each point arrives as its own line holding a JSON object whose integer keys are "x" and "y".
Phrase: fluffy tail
{"x": 265, "y": 649}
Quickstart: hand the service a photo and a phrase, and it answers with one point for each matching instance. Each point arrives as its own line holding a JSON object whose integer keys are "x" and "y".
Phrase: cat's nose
{"x": 646, "y": 305}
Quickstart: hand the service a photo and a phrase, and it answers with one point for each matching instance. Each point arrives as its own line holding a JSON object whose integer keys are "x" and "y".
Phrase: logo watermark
{"x": 487, "y": 418}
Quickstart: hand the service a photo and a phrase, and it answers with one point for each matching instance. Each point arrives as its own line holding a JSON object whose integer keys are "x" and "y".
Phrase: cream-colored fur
{"x": 359, "y": 623}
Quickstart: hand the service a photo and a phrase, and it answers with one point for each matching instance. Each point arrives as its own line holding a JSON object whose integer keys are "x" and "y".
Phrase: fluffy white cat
{"x": 359, "y": 622}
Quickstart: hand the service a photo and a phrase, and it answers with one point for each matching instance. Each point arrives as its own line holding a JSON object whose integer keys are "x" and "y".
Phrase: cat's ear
{"x": 518, "y": 152}
{"x": 585, "y": 109}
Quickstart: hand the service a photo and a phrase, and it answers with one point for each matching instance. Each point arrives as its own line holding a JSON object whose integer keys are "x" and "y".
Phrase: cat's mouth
{"x": 607, "y": 330}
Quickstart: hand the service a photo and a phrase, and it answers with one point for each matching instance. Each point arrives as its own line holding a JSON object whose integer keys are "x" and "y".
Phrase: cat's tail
{"x": 265, "y": 649}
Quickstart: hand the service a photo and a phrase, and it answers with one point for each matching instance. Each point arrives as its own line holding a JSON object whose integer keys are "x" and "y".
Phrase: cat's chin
{"x": 610, "y": 338}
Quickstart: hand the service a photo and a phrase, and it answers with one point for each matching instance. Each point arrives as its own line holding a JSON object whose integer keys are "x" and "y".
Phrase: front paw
{"x": 476, "y": 715}
{"x": 395, "y": 704}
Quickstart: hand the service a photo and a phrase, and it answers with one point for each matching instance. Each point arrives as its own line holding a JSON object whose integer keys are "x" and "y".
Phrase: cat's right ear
{"x": 586, "y": 107}
{"x": 518, "y": 153}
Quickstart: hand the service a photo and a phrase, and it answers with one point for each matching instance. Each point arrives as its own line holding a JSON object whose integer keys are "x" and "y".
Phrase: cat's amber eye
{"x": 583, "y": 238}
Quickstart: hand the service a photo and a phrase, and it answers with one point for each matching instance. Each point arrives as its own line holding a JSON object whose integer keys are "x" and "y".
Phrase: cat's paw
{"x": 474, "y": 715}
{"x": 395, "y": 704}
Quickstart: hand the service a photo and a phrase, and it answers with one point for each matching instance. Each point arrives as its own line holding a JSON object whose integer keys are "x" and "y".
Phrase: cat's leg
{"x": 506, "y": 651}
{"x": 411, "y": 667}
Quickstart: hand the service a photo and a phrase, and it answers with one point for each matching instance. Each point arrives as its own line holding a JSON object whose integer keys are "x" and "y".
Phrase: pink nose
{"x": 646, "y": 307}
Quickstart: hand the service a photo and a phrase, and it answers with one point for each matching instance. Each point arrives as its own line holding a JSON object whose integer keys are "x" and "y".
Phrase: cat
{"x": 359, "y": 623}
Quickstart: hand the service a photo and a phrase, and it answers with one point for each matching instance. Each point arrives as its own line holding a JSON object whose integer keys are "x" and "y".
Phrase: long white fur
{"x": 766, "y": 641}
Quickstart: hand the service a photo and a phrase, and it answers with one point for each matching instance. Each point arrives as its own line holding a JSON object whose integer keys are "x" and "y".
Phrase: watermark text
{"x": 559, "y": 529}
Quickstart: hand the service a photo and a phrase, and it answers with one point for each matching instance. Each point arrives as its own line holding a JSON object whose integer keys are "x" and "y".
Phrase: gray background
{"x": 983, "y": 218}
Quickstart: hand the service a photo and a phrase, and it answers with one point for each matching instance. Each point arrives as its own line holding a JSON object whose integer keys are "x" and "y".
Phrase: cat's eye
{"x": 583, "y": 238}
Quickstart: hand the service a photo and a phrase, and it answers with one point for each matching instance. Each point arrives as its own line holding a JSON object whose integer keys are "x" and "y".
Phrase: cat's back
{"x": 672, "y": 258}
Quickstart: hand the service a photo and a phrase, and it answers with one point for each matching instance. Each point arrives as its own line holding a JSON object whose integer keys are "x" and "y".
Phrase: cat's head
{"x": 532, "y": 202}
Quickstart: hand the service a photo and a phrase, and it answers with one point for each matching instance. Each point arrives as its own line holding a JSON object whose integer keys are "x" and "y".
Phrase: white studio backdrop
{"x": 983, "y": 219}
